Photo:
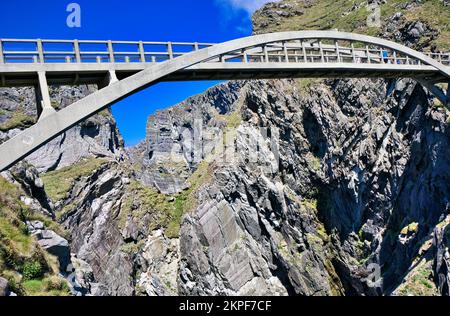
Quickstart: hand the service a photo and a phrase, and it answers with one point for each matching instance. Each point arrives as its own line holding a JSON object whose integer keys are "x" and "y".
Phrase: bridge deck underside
{"x": 95, "y": 74}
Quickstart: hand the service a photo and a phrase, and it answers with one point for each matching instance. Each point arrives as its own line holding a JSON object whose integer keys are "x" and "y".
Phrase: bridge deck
{"x": 57, "y": 74}
{"x": 89, "y": 62}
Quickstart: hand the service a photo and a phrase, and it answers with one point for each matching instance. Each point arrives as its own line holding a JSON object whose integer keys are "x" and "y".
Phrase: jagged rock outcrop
{"x": 51, "y": 242}
{"x": 286, "y": 187}
{"x": 98, "y": 136}
{"x": 173, "y": 147}
{"x": 4, "y": 287}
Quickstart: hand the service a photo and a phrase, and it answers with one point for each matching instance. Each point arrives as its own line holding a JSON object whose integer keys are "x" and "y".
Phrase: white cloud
{"x": 248, "y": 5}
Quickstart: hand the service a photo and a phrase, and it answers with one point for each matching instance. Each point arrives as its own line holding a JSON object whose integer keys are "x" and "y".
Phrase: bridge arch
{"x": 56, "y": 123}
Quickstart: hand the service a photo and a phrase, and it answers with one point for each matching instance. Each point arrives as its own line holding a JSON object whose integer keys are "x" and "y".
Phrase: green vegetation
{"x": 304, "y": 85}
{"x": 167, "y": 211}
{"x": 22, "y": 262}
{"x": 59, "y": 183}
{"x": 50, "y": 286}
{"x": 338, "y": 14}
{"x": 310, "y": 203}
{"x": 412, "y": 228}
{"x": 19, "y": 119}
{"x": 420, "y": 281}
{"x": 32, "y": 270}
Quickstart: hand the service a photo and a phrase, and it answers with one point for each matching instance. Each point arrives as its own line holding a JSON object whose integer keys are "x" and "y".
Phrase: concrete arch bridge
{"x": 121, "y": 68}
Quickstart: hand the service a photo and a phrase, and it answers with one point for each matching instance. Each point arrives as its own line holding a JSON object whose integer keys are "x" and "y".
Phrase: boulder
{"x": 4, "y": 287}
{"x": 55, "y": 245}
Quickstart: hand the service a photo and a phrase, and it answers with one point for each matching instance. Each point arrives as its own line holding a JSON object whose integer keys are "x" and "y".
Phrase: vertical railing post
{"x": 111, "y": 52}
{"x": 382, "y": 56}
{"x": 170, "y": 50}
{"x": 142, "y": 51}
{"x": 2, "y": 58}
{"x": 40, "y": 49}
{"x": 196, "y": 47}
{"x": 338, "y": 53}
{"x": 286, "y": 53}
{"x": 322, "y": 57}
{"x": 244, "y": 55}
{"x": 76, "y": 49}
{"x": 304, "y": 52}
{"x": 353, "y": 53}
{"x": 368, "y": 55}
{"x": 395, "y": 57}
{"x": 266, "y": 54}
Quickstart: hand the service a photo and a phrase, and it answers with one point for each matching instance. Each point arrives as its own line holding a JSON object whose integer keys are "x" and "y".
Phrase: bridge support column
{"x": 112, "y": 77}
{"x": 109, "y": 79}
{"x": 43, "y": 97}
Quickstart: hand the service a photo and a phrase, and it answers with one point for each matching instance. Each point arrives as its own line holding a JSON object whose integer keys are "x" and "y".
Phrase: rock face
{"x": 51, "y": 242}
{"x": 97, "y": 136}
{"x": 344, "y": 187}
{"x": 168, "y": 156}
{"x": 286, "y": 187}
{"x": 4, "y": 287}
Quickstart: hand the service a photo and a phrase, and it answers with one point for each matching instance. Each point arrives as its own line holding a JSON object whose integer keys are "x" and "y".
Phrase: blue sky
{"x": 148, "y": 20}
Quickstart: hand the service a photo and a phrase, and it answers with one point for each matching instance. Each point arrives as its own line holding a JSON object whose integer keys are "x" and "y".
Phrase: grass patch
{"x": 412, "y": 228}
{"x": 420, "y": 281}
{"x": 50, "y": 286}
{"x": 59, "y": 183}
{"x": 166, "y": 211}
{"x": 22, "y": 260}
{"x": 338, "y": 14}
{"x": 19, "y": 119}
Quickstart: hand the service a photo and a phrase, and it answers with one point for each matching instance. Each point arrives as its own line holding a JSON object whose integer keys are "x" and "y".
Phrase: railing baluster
{"x": 286, "y": 55}
{"x": 266, "y": 54}
{"x": 170, "y": 50}
{"x": 76, "y": 49}
{"x": 2, "y": 59}
{"x": 142, "y": 51}
{"x": 395, "y": 57}
{"x": 322, "y": 57}
{"x": 196, "y": 47}
{"x": 304, "y": 52}
{"x": 244, "y": 56}
{"x": 40, "y": 49}
{"x": 338, "y": 54}
{"x": 111, "y": 52}
{"x": 368, "y": 55}
{"x": 381, "y": 56}
{"x": 353, "y": 53}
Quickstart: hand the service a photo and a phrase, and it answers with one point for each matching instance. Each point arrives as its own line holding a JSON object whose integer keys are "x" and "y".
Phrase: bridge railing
{"x": 324, "y": 52}
{"x": 307, "y": 51}
{"x": 85, "y": 51}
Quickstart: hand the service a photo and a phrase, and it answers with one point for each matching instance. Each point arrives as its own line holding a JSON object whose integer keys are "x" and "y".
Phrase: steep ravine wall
{"x": 300, "y": 187}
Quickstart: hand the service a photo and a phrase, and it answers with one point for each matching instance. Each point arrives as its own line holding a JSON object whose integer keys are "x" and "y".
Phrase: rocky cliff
{"x": 286, "y": 187}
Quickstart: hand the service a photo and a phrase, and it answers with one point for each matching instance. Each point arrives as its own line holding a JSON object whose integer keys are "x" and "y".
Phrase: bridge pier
{"x": 44, "y": 103}
{"x": 110, "y": 78}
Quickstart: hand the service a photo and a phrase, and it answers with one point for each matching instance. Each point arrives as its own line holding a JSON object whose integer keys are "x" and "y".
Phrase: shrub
{"x": 32, "y": 270}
